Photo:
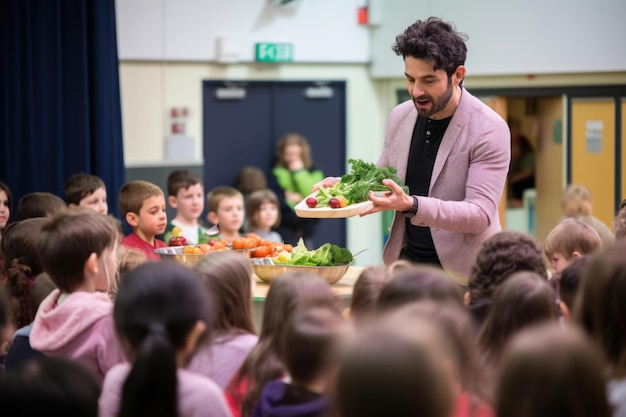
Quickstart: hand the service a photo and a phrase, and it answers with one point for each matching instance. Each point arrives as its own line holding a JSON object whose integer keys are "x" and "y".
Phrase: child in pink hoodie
{"x": 78, "y": 250}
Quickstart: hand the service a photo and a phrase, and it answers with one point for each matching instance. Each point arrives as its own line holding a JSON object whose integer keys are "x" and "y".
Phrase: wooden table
{"x": 343, "y": 290}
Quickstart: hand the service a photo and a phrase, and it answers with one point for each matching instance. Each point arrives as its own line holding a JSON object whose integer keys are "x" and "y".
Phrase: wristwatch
{"x": 413, "y": 210}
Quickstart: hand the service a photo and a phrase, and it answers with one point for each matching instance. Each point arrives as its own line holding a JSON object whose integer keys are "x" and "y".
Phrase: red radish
{"x": 311, "y": 202}
{"x": 334, "y": 203}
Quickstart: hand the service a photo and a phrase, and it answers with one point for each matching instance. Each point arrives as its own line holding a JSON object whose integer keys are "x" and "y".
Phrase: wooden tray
{"x": 302, "y": 210}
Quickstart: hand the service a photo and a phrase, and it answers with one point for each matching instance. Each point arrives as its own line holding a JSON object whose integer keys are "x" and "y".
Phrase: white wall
{"x": 512, "y": 36}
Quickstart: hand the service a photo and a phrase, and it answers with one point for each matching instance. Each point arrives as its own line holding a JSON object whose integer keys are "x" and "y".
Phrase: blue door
{"x": 242, "y": 121}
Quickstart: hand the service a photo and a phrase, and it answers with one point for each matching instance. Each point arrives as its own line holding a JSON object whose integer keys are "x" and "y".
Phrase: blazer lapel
{"x": 405, "y": 130}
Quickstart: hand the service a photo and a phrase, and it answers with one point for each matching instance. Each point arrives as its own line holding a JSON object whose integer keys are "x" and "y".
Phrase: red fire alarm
{"x": 362, "y": 15}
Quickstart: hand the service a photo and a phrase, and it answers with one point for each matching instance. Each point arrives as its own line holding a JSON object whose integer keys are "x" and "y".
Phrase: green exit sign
{"x": 274, "y": 52}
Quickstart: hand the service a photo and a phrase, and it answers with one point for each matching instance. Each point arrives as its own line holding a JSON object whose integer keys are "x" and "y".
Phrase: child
{"x": 266, "y": 361}
{"x": 570, "y": 239}
{"x": 568, "y": 285}
{"x": 6, "y": 205}
{"x": 366, "y": 291}
{"x": 600, "y": 309}
{"x": 161, "y": 313}
{"x": 228, "y": 280}
{"x": 185, "y": 194}
{"x": 576, "y": 203}
{"x": 50, "y": 386}
{"x": 395, "y": 370}
{"x": 500, "y": 256}
{"x": 39, "y": 205}
{"x": 86, "y": 190}
{"x": 127, "y": 259}
{"x": 263, "y": 214}
{"x": 225, "y": 206}
{"x": 551, "y": 371}
{"x": 619, "y": 223}
{"x": 524, "y": 299}
{"x": 143, "y": 206}
{"x": 312, "y": 342}
{"x": 78, "y": 250}
{"x": 20, "y": 253}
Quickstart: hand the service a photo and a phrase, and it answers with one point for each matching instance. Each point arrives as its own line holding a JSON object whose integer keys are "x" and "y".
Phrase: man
{"x": 451, "y": 149}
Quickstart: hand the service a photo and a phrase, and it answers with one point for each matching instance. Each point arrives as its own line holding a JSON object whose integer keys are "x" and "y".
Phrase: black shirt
{"x": 425, "y": 142}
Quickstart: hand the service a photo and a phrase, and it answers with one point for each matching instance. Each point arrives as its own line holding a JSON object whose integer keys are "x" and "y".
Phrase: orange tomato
{"x": 249, "y": 243}
{"x": 205, "y": 248}
{"x": 238, "y": 243}
{"x": 219, "y": 245}
{"x": 265, "y": 242}
{"x": 256, "y": 237}
{"x": 288, "y": 247}
{"x": 261, "y": 251}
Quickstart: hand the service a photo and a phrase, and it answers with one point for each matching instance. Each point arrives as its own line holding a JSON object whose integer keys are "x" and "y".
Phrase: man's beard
{"x": 435, "y": 105}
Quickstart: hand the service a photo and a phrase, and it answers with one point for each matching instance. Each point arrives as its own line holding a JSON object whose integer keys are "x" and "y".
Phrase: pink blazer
{"x": 466, "y": 185}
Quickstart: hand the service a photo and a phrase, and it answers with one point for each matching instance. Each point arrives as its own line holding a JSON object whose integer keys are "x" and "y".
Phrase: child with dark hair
{"x": 500, "y": 256}
{"x": 366, "y": 291}
{"x": 417, "y": 283}
{"x": 185, "y": 194}
{"x": 50, "y": 386}
{"x": 161, "y": 313}
{"x": 600, "y": 309}
{"x": 21, "y": 351}
{"x": 619, "y": 223}
{"x": 266, "y": 361}
{"x": 227, "y": 278}
{"x": 86, "y": 190}
{"x": 6, "y": 205}
{"x": 263, "y": 214}
{"x": 312, "y": 342}
{"x": 549, "y": 371}
{"x": 524, "y": 299}
{"x": 39, "y": 204}
{"x": 570, "y": 239}
{"x": 568, "y": 285}
{"x": 78, "y": 250}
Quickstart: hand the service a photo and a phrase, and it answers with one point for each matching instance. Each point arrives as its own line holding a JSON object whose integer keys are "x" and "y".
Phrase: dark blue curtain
{"x": 60, "y": 100}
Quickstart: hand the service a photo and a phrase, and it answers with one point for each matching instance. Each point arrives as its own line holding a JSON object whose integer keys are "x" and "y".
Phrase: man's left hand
{"x": 397, "y": 200}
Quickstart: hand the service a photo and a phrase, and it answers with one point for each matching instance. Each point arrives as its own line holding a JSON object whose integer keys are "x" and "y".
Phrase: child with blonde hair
{"x": 225, "y": 207}
{"x": 576, "y": 202}
{"x": 142, "y": 205}
{"x": 570, "y": 239}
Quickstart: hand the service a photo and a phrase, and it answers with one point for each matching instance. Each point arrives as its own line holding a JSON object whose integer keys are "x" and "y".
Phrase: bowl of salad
{"x": 329, "y": 261}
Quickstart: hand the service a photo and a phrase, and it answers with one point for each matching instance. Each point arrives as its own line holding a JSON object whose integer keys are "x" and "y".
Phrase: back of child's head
{"x": 600, "y": 308}
{"x": 160, "y": 311}
{"x": 395, "y": 369}
{"x": 549, "y": 371}
{"x": 127, "y": 259}
{"x": 250, "y": 179}
{"x": 312, "y": 342}
{"x": 134, "y": 193}
{"x": 500, "y": 256}
{"x": 181, "y": 179}
{"x": 524, "y": 299}
{"x": 68, "y": 239}
{"x": 81, "y": 185}
{"x": 217, "y": 194}
{"x": 366, "y": 290}
{"x": 576, "y": 201}
{"x": 42, "y": 287}
{"x": 20, "y": 253}
{"x": 265, "y": 361}
{"x": 227, "y": 277}
{"x": 572, "y": 235}
{"x": 39, "y": 204}
{"x": 569, "y": 280}
{"x": 253, "y": 205}
{"x": 417, "y": 283}
{"x": 50, "y": 386}
{"x": 455, "y": 322}
{"x": 619, "y": 224}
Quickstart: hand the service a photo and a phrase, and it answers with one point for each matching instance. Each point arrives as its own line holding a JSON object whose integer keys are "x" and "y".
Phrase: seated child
{"x": 570, "y": 239}
{"x": 185, "y": 194}
{"x": 39, "y": 205}
{"x": 311, "y": 340}
{"x": 263, "y": 214}
{"x": 365, "y": 293}
{"x": 78, "y": 250}
{"x": 161, "y": 313}
{"x": 225, "y": 205}
{"x": 568, "y": 285}
{"x": 142, "y": 205}
{"x": 6, "y": 205}
{"x": 86, "y": 190}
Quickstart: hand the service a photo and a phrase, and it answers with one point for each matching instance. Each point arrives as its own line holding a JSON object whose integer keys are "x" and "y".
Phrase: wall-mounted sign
{"x": 274, "y": 52}
{"x": 593, "y": 135}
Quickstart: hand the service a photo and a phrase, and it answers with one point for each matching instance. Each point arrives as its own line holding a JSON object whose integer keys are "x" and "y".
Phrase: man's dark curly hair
{"x": 433, "y": 40}
{"x": 500, "y": 256}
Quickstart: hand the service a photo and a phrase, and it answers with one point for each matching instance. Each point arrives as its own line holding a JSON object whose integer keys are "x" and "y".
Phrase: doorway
{"x": 242, "y": 121}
